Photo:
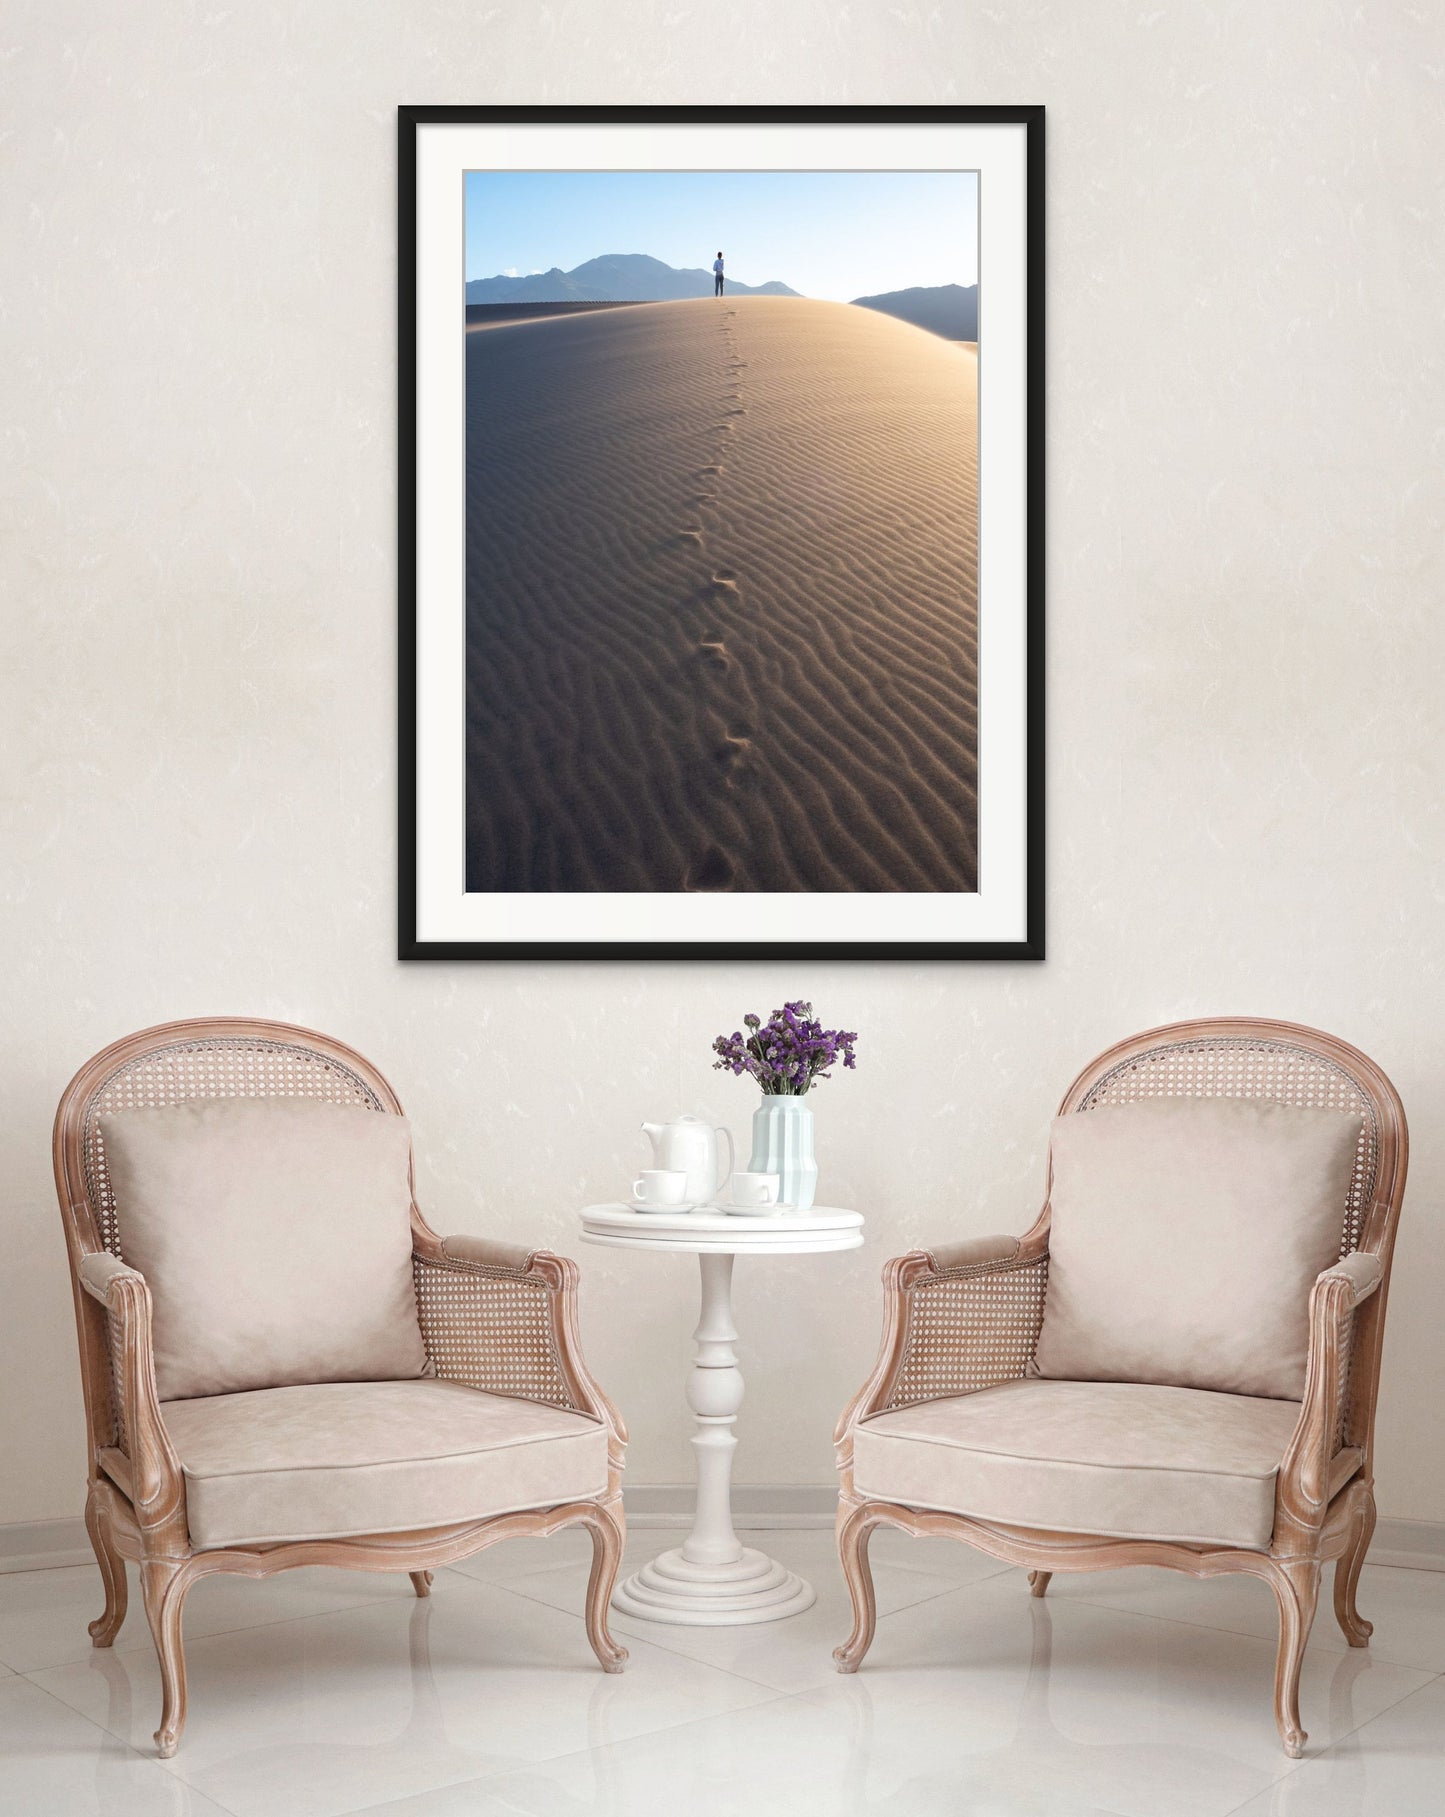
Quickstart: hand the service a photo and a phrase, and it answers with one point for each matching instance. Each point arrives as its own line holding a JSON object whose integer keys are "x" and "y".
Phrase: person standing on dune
{"x": 717, "y": 276}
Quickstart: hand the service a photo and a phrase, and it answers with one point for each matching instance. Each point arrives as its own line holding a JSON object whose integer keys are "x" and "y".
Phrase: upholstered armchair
{"x": 282, "y": 1363}
{"x": 1178, "y": 1363}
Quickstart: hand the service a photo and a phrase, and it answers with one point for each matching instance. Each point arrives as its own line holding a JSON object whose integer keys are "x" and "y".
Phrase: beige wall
{"x": 1245, "y": 654}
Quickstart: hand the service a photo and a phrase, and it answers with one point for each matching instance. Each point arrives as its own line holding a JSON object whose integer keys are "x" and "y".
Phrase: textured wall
{"x": 1245, "y": 438}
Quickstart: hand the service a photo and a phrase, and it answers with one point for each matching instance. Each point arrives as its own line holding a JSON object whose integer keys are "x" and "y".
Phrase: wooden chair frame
{"x": 136, "y": 1500}
{"x": 967, "y": 1316}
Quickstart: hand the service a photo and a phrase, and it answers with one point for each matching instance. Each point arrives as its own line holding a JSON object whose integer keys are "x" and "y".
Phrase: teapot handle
{"x": 727, "y": 1136}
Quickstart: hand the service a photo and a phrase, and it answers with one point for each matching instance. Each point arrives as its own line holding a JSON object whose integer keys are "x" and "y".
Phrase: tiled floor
{"x": 1136, "y": 1694}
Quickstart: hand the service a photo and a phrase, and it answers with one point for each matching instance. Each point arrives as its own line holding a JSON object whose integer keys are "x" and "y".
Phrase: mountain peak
{"x": 950, "y": 310}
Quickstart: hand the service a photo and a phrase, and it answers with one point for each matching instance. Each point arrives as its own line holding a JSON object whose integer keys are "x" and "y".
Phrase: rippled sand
{"x": 722, "y": 621}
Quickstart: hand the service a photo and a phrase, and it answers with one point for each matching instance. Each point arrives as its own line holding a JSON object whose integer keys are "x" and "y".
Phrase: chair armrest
{"x": 1306, "y": 1475}
{"x": 150, "y": 1472}
{"x": 486, "y": 1252}
{"x": 959, "y": 1317}
{"x": 1362, "y": 1271}
{"x": 503, "y": 1319}
{"x": 98, "y": 1269}
{"x": 973, "y": 1252}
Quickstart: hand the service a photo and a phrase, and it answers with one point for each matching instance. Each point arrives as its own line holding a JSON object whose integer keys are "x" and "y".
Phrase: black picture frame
{"x": 413, "y": 947}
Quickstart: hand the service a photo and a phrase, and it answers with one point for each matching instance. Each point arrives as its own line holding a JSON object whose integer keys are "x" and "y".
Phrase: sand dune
{"x": 721, "y": 601}
{"x": 500, "y": 315}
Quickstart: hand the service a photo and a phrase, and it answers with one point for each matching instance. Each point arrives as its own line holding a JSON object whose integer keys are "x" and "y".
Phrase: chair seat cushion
{"x": 1122, "y": 1459}
{"x": 338, "y": 1458}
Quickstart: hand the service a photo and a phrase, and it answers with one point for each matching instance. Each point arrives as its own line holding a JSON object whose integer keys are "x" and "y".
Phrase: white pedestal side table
{"x": 712, "y": 1580}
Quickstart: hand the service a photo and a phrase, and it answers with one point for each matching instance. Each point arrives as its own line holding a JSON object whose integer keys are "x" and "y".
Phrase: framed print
{"x": 721, "y": 532}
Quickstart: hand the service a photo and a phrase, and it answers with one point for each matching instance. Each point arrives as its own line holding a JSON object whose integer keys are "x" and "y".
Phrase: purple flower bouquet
{"x": 787, "y": 1053}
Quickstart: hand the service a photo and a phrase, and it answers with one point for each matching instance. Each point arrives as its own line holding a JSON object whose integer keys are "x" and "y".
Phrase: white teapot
{"x": 691, "y": 1145}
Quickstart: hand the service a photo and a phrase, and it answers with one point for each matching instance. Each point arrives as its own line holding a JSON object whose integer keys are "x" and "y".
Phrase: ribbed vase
{"x": 783, "y": 1144}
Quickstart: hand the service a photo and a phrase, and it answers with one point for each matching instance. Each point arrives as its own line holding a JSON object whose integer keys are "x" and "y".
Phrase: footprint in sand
{"x": 706, "y": 472}
{"x": 714, "y": 870}
{"x": 720, "y": 589}
{"x": 731, "y": 755}
{"x": 691, "y": 533}
{"x": 714, "y": 653}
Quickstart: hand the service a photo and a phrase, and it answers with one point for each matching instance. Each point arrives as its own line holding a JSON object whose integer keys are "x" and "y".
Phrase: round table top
{"x": 716, "y": 1232}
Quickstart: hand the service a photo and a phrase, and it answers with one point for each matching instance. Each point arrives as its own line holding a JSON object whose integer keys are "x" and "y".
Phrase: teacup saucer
{"x": 653, "y": 1208}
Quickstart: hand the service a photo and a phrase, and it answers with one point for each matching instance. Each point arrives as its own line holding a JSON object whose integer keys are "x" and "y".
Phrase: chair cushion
{"x": 1185, "y": 1236}
{"x": 342, "y": 1458}
{"x": 1124, "y": 1459}
{"x": 275, "y": 1235}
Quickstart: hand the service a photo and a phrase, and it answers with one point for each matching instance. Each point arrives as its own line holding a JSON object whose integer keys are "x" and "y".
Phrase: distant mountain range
{"x": 617, "y": 277}
{"x": 946, "y": 309}
{"x": 949, "y": 310}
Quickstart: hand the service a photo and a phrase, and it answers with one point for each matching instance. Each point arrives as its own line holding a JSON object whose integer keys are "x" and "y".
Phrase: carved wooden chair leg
{"x": 853, "y": 1537}
{"x": 421, "y": 1582}
{"x": 606, "y": 1558}
{"x": 165, "y": 1586}
{"x": 1296, "y": 1587}
{"x": 112, "y": 1571}
{"x": 1039, "y": 1582}
{"x": 1353, "y": 1626}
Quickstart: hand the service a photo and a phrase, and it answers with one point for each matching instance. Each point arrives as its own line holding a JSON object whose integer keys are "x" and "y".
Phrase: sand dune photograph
{"x": 721, "y": 531}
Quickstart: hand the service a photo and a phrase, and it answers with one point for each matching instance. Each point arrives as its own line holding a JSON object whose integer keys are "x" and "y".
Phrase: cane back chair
{"x": 966, "y": 1316}
{"x": 493, "y": 1317}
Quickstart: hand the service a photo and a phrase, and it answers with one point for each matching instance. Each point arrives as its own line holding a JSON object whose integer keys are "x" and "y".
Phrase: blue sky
{"x": 835, "y": 234}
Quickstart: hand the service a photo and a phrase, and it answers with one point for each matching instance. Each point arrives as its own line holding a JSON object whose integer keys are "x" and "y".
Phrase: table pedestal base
{"x": 712, "y": 1580}
{"x": 673, "y": 1589}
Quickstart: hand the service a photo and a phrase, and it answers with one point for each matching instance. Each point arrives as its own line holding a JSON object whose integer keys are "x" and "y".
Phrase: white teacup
{"x": 660, "y": 1186}
{"x": 752, "y": 1191}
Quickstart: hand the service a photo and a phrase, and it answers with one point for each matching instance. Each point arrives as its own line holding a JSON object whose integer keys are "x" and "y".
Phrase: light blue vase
{"x": 783, "y": 1144}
